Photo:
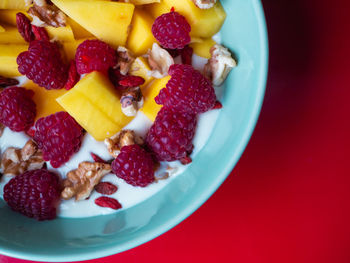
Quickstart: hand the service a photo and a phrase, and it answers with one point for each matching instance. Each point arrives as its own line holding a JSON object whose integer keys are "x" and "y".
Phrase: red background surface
{"x": 288, "y": 199}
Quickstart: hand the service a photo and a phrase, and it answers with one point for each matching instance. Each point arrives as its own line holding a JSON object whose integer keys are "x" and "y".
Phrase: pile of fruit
{"x": 89, "y": 67}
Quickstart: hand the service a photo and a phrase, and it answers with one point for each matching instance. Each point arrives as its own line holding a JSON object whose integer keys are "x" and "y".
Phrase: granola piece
{"x": 125, "y": 60}
{"x": 122, "y": 138}
{"x": 219, "y": 65}
{"x": 46, "y": 15}
{"x": 15, "y": 161}
{"x": 131, "y": 101}
{"x": 204, "y": 4}
{"x": 80, "y": 182}
{"x": 159, "y": 60}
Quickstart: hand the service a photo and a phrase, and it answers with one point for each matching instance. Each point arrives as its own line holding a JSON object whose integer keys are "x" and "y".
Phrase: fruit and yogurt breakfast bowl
{"x": 95, "y": 121}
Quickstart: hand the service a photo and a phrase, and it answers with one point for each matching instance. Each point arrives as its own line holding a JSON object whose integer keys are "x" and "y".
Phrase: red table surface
{"x": 288, "y": 199}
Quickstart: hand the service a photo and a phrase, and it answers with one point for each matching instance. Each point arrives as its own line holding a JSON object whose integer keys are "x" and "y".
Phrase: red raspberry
{"x": 34, "y": 193}
{"x": 172, "y": 30}
{"x": 134, "y": 165}
{"x": 73, "y": 76}
{"x": 24, "y": 27}
{"x": 170, "y": 136}
{"x": 17, "y": 109}
{"x": 58, "y": 136}
{"x": 94, "y": 55}
{"x": 42, "y": 64}
{"x": 40, "y": 33}
{"x": 187, "y": 90}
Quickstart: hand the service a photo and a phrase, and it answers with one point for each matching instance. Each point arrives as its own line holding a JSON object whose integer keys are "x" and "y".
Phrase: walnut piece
{"x": 15, "y": 161}
{"x": 204, "y": 4}
{"x": 2, "y": 127}
{"x": 122, "y": 138}
{"x": 131, "y": 101}
{"x": 219, "y": 65}
{"x": 125, "y": 60}
{"x": 46, "y": 15}
{"x": 80, "y": 182}
{"x": 160, "y": 61}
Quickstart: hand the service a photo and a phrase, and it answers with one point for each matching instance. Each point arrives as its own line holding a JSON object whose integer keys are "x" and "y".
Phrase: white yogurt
{"x": 126, "y": 194}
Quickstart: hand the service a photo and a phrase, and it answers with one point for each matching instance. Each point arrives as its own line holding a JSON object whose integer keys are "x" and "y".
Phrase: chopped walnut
{"x": 204, "y": 4}
{"x": 122, "y": 138}
{"x": 219, "y": 65}
{"x": 131, "y": 101}
{"x": 125, "y": 60}
{"x": 15, "y": 161}
{"x": 46, "y": 15}
{"x": 160, "y": 61}
{"x": 80, "y": 182}
{"x": 2, "y": 127}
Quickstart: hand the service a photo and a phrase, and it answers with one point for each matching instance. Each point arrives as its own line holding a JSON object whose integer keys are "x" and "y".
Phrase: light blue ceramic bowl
{"x": 244, "y": 33}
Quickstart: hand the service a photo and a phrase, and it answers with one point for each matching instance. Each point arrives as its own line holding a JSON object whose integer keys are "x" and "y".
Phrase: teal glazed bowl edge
{"x": 65, "y": 239}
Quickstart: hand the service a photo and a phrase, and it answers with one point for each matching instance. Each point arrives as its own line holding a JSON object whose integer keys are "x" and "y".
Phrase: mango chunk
{"x": 44, "y": 99}
{"x": 202, "y": 49}
{"x": 141, "y": 38}
{"x": 108, "y": 21}
{"x": 64, "y": 34}
{"x": 11, "y": 36}
{"x": 143, "y": 2}
{"x": 78, "y": 31}
{"x": 88, "y": 116}
{"x": 2, "y": 29}
{"x": 95, "y": 105}
{"x": 8, "y": 57}
{"x": 140, "y": 67}
{"x": 150, "y": 107}
{"x": 13, "y": 4}
{"x": 204, "y": 22}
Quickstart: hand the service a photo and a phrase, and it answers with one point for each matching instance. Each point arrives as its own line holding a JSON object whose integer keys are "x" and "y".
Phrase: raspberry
{"x": 170, "y": 136}
{"x": 94, "y": 55}
{"x": 58, "y": 136}
{"x": 186, "y": 55}
{"x": 40, "y": 33}
{"x": 105, "y": 201}
{"x": 17, "y": 109}
{"x": 106, "y": 188}
{"x": 187, "y": 90}
{"x": 24, "y": 27}
{"x": 172, "y": 30}
{"x": 34, "y": 193}
{"x": 42, "y": 64}
{"x": 134, "y": 165}
{"x": 73, "y": 76}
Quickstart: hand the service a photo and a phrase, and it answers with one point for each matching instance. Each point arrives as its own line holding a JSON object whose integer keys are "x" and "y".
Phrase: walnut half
{"x": 204, "y": 4}
{"x": 15, "y": 161}
{"x": 122, "y": 138}
{"x": 46, "y": 15}
{"x": 131, "y": 101}
{"x": 80, "y": 182}
{"x": 219, "y": 65}
{"x": 160, "y": 61}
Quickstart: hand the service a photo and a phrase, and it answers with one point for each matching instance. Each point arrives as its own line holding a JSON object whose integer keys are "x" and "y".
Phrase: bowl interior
{"x": 65, "y": 239}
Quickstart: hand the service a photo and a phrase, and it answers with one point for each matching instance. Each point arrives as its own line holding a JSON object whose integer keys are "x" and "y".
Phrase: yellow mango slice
{"x": 143, "y": 2}
{"x": 2, "y": 29}
{"x": 70, "y": 48}
{"x": 11, "y": 36}
{"x": 204, "y": 22}
{"x": 88, "y": 116}
{"x": 101, "y": 92}
{"x": 140, "y": 67}
{"x": 8, "y": 57}
{"x": 78, "y": 31}
{"x": 141, "y": 38}
{"x": 108, "y": 21}
{"x": 150, "y": 107}
{"x": 202, "y": 49}
{"x": 64, "y": 34}
{"x": 44, "y": 99}
{"x": 13, "y": 4}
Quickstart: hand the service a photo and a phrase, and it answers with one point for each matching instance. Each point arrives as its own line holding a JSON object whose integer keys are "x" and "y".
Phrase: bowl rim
{"x": 205, "y": 195}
